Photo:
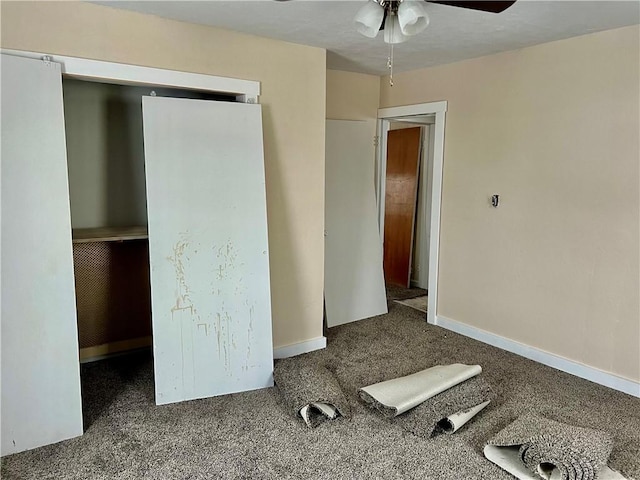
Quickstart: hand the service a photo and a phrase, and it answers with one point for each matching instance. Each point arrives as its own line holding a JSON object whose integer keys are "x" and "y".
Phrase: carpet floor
{"x": 253, "y": 435}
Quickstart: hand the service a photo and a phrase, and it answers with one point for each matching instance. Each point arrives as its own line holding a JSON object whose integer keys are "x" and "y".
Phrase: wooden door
{"x": 403, "y": 161}
{"x": 41, "y": 401}
{"x": 208, "y": 249}
{"x": 353, "y": 278}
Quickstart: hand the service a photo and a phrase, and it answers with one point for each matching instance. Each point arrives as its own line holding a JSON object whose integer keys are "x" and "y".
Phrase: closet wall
{"x": 105, "y": 155}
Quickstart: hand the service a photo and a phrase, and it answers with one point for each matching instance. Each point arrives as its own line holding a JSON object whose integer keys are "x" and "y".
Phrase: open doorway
{"x": 408, "y": 193}
{"x": 406, "y": 235}
{"x": 406, "y": 226}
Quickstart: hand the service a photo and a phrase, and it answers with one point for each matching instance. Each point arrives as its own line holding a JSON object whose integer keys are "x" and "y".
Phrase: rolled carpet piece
{"x": 534, "y": 447}
{"x": 310, "y": 390}
{"x": 453, "y": 423}
{"x": 398, "y": 395}
{"x": 448, "y": 411}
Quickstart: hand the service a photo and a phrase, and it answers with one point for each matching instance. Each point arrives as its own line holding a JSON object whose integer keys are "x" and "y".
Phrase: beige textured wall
{"x": 352, "y": 96}
{"x": 293, "y": 99}
{"x": 554, "y": 129}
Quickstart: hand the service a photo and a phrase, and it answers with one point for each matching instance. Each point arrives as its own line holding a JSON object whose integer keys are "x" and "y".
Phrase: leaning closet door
{"x": 40, "y": 369}
{"x": 353, "y": 276}
{"x": 211, "y": 307}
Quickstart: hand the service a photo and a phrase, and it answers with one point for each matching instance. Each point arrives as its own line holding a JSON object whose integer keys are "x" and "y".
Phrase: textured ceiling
{"x": 454, "y": 34}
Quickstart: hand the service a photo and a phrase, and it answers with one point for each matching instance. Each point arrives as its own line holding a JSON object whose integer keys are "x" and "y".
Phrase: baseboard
{"x": 107, "y": 350}
{"x": 299, "y": 348}
{"x": 546, "y": 358}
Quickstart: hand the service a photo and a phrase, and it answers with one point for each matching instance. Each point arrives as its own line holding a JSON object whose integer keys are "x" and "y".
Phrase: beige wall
{"x": 352, "y": 96}
{"x": 293, "y": 98}
{"x": 554, "y": 129}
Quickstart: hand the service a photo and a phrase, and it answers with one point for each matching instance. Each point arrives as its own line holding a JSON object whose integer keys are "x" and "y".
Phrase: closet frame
{"x": 244, "y": 91}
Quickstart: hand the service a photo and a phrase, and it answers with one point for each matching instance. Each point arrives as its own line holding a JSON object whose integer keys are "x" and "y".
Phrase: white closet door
{"x": 353, "y": 277}
{"x": 40, "y": 369}
{"x": 211, "y": 304}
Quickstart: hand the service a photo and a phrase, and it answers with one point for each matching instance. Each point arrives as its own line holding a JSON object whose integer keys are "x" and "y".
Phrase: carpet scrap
{"x": 448, "y": 411}
{"x": 438, "y": 400}
{"x": 310, "y": 390}
{"x": 534, "y": 447}
{"x": 396, "y": 396}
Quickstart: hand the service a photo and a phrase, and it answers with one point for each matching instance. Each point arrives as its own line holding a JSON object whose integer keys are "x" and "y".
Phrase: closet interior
{"x": 106, "y": 168}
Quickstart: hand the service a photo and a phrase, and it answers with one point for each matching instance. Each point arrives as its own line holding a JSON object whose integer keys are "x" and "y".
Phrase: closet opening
{"x": 203, "y": 188}
{"x": 106, "y": 172}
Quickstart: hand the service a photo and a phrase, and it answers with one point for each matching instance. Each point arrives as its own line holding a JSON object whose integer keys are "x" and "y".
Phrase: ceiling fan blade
{"x": 493, "y": 7}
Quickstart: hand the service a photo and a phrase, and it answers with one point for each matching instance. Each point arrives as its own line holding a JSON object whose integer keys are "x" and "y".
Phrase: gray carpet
{"x": 253, "y": 435}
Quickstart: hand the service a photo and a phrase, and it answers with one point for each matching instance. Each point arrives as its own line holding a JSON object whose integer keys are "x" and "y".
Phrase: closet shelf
{"x": 109, "y": 234}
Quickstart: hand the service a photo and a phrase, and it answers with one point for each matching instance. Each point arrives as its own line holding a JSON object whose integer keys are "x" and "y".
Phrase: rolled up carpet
{"x": 448, "y": 411}
{"x": 534, "y": 447}
{"x": 396, "y": 396}
{"x": 311, "y": 391}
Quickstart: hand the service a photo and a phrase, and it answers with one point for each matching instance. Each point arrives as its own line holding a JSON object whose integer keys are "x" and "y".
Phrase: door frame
{"x": 409, "y": 113}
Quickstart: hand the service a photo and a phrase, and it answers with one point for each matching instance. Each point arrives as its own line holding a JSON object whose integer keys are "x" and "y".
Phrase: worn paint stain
{"x": 181, "y": 354}
{"x": 224, "y": 337}
{"x": 251, "y": 312}
{"x": 183, "y": 291}
{"x": 227, "y": 356}
{"x": 249, "y": 332}
{"x": 226, "y": 257}
{"x": 193, "y": 357}
{"x": 218, "y": 329}
{"x": 183, "y": 309}
{"x": 177, "y": 308}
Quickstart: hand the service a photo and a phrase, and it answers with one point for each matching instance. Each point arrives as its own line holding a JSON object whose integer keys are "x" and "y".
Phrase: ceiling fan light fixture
{"x": 392, "y": 32}
{"x": 412, "y": 17}
{"x": 369, "y": 19}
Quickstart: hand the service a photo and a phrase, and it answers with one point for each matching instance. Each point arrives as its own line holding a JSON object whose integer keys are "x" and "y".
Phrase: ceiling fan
{"x": 401, "y": 19}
